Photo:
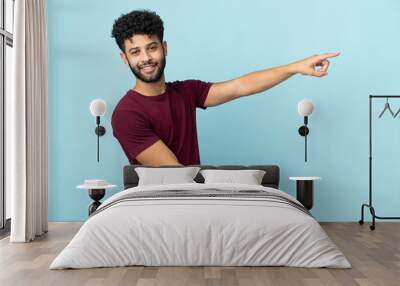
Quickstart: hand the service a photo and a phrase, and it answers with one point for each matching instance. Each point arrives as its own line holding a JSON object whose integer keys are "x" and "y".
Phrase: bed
{"x": 201, "y": 224}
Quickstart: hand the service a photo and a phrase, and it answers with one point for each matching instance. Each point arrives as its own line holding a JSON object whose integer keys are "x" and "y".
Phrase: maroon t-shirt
{"x": 138, "y": 121}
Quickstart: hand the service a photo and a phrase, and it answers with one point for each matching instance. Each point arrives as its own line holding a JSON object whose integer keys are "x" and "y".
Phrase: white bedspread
{"x": 200, "y": 231}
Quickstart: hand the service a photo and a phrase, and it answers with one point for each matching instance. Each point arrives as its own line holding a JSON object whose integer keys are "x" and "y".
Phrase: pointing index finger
{"x": 329, "y": 55}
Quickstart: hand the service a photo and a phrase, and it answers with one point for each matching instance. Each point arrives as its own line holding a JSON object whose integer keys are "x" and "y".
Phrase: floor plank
{"x": 374, "y": 255}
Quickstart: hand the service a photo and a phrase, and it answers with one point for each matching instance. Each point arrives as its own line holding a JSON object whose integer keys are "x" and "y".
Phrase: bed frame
{"x": 270, "y": 179}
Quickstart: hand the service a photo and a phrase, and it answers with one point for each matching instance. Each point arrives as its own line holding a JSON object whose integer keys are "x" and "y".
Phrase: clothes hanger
{"x": 398, "y": 111}
{"x": 387, "y": 107}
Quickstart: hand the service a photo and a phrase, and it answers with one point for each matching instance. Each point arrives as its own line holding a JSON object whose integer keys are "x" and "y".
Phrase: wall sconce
{"x": 98, "y": 108}
{"x": 305, "y": 108}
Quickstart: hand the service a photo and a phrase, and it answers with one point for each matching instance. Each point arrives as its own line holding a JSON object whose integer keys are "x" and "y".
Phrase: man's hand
{"x": 315, "y": 65}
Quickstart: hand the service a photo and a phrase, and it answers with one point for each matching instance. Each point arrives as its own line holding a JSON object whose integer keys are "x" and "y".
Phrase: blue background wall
{"x": 214, "y": 41}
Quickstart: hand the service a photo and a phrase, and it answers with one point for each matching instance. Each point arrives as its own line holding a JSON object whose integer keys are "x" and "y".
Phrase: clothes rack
{"x": 369, "y": 205}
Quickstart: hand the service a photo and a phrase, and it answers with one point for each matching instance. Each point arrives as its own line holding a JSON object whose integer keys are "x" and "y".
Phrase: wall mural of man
{"x": 155, "y": 121}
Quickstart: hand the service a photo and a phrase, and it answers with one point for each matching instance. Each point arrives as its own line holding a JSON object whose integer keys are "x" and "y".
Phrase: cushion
{"x": 162, "y": 176}
{"x": 249, "y": 177}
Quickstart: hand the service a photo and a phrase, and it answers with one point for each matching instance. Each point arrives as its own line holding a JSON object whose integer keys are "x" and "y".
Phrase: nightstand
{"x": 96, "y": 190}
{"x": 304, "y": 190}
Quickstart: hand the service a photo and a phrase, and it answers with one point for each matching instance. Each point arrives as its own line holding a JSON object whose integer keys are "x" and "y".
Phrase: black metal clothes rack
{"x": 369, "y": 205}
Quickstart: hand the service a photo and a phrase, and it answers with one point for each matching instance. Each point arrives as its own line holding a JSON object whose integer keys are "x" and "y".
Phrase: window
{"x": 6, "y": 62}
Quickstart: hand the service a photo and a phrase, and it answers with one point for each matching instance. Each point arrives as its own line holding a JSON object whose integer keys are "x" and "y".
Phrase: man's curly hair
{"x": 144, "y": 22}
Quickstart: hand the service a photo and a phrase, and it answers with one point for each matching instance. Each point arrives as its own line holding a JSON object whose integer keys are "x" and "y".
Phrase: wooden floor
{"x": 374, "y": 255}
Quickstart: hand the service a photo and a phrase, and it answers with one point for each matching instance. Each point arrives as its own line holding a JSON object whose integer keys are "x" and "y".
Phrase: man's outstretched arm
{"x": 260, "y": 81}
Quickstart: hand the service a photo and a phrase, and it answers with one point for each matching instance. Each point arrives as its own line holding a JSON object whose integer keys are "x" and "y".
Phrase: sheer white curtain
{"x": 26, "y": 123}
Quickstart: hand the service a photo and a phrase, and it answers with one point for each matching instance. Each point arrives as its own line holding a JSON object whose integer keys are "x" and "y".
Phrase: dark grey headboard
{"x": 271, "y": 177}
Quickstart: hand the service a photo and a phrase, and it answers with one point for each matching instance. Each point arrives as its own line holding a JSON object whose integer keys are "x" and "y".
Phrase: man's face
{"x": 145, "y": 56}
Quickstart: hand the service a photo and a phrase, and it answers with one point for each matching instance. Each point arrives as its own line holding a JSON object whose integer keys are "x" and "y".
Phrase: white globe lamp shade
{"x": 98, "y": 107}
{"x": 305, "y": 107}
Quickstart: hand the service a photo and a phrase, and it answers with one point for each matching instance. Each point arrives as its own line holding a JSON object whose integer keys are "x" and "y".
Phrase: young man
{"x": 155, "y": 121}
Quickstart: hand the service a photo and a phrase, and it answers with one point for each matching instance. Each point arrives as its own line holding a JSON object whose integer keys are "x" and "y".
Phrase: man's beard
{"x": 153, "y": 78}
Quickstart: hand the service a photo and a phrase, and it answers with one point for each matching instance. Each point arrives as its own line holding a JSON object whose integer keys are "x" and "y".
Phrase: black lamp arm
{"x": 303, "y": 131}
{"x": 100, "y": 131}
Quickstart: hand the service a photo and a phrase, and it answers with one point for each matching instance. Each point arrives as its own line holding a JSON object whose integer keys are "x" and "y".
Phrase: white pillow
{"x": 249, "y": 177}
{"x": 163, "y": 176}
